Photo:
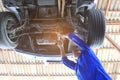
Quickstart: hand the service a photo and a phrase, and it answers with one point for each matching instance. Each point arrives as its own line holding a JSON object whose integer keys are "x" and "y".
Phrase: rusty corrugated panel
{"x": 110, "y": 59}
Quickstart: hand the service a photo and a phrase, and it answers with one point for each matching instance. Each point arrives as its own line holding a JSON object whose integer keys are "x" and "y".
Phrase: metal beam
{"x": 114, "y": 11}
{"x": 31, "y": 74}
{"x": 113, "y": 33}
{"x": 46, "y": 75}
{"x": 113, "y": 42}
{"x": 28, "y": 64}
{"x": 113, "y": 23}
{"x": 107, "y": 8}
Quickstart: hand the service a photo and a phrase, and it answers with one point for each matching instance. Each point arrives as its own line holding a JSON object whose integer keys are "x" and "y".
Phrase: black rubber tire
{"x": 5, "y": 41}
{"x": 96, "y": 28}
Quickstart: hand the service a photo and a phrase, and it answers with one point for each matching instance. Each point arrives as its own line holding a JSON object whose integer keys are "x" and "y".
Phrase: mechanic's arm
{"x": 64, "y": 60}
{"x": 81, "y": 44}
{"x": 62, "y": 51}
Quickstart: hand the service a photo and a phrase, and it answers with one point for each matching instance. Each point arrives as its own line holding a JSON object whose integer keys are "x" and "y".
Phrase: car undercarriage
{"x": 33, "y": 26}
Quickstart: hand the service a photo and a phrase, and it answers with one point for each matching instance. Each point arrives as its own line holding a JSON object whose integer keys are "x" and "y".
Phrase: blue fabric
{"x": 88, "y": 66}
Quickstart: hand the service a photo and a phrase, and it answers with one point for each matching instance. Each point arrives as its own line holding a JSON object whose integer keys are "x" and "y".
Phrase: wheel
{"x": 8, "y": 22}
{"x": 96, "y": 27}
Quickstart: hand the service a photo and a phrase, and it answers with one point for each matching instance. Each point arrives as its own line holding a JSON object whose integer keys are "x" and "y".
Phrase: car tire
{"x": 8, "y": 21}
{"x": 96, "y": 28}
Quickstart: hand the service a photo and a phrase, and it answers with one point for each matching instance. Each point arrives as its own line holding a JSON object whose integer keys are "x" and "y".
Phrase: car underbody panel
{"x": 33, "y": 26}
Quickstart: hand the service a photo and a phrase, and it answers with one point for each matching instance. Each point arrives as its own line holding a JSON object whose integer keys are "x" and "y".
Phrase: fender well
{"x": 15, "y": 12}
